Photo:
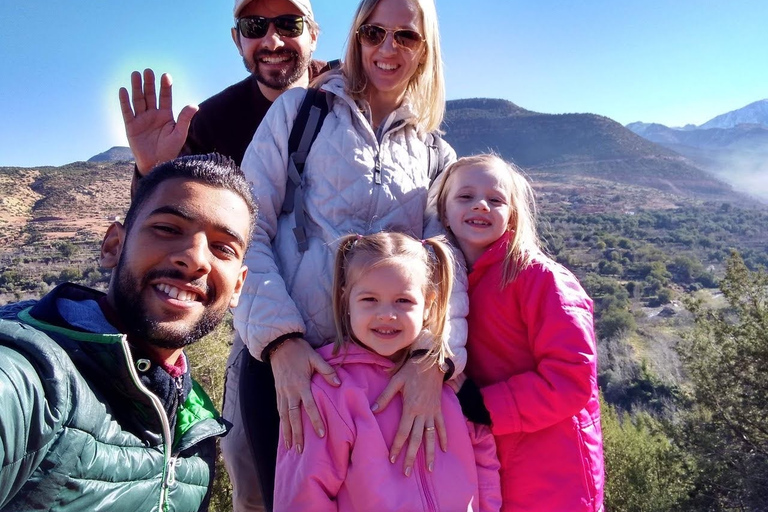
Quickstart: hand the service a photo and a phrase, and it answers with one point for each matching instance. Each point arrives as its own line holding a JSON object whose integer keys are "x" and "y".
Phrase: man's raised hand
{"x": 153, "y": 134}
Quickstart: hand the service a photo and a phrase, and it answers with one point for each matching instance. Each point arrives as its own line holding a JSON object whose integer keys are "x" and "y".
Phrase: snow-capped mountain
{"x": 754, "y": 113}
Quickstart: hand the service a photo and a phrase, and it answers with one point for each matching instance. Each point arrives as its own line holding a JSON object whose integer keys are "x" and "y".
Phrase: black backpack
{"x": 309, "y": 120}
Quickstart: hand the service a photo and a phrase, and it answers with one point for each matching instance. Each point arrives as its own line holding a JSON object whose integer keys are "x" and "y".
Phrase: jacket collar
{"x": 351, "y": 352}
{"x": 335, "y": 84}
{"x": 47, "y": 311}
{"x": 494, "y": 254}
{"x": 102, "y": 358}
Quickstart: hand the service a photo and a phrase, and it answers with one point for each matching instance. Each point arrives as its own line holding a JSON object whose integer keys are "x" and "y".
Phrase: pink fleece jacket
{"x": 531, "y": 349}
{"x": 349, "y": 469}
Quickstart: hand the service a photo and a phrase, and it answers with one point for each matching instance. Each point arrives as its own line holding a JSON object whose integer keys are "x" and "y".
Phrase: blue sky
{"x": 668, "y": 61}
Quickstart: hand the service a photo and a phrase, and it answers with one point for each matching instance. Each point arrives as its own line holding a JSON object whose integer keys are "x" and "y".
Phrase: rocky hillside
{"x": 114, "y": 154}
{"x": 52, "y": 220}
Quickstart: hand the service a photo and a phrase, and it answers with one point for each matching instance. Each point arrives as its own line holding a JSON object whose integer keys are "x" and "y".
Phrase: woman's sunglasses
{"x": 374, "y": 35}
{"x": 255, "y": 27}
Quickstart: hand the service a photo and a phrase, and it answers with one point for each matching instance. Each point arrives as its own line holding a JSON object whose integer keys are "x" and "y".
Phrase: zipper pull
{"x": 170, "y": 477}
{"x": 377, "y": 171}
{"x": 179, "y": 381}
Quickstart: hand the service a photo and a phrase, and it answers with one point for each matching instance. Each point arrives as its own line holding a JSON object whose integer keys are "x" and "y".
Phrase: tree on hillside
{"x": 726, "y": 360}
{"x": 644, "y": 471}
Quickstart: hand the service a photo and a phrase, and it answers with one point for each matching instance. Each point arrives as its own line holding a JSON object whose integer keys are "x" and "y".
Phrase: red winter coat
{"x": 531, "y": 349}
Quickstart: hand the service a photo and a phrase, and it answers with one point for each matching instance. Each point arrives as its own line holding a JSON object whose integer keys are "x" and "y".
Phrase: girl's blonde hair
{"x": 524, "y": 243}
{"x": 426, "y": 90}
{"x": 361, "y": 253}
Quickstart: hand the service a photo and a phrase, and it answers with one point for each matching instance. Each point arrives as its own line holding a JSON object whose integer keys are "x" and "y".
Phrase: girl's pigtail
{"x": 442, "y": 270}
{"x": 340, "y": 302}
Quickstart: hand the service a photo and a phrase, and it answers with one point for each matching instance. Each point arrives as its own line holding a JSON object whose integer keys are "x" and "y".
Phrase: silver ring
{"x": 292, "y": 407}
{"x": 429, "y": 429}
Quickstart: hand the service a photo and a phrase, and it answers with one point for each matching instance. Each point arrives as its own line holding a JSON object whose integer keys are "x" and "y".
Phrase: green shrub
{"x": 644, "y": 471}
{"x": 70, "y": 274}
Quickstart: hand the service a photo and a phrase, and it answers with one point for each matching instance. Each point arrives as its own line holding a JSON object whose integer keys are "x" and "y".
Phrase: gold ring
{"x": 294, "y": 407}
{"x": 429, "y": 429}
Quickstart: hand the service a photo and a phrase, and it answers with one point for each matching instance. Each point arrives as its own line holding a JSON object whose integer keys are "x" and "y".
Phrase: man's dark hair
{"x": 211, "y": 169}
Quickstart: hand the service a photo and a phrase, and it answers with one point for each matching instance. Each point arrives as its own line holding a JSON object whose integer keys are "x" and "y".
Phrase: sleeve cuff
{"x": 275, "y": 344}
{"x": 506, "y": 419}
{"x": 472, "y": 404}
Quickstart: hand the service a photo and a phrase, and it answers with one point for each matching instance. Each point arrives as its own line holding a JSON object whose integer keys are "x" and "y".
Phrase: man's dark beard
{"x": 280, "y": 81}
{"x": 134, "y": 316}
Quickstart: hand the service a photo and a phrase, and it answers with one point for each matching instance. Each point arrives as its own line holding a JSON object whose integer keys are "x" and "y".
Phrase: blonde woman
{"x": 367, "y": 171}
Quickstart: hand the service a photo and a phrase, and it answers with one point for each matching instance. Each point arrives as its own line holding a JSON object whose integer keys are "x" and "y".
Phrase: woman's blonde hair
{"x": 358, "y": 254}
{"x": 524, "y": 243}
{"x": 426, "y": 90}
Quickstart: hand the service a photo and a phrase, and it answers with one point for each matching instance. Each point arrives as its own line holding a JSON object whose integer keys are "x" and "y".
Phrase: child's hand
{"x": 421, "y": 384}
{"x": 293, "y": 365}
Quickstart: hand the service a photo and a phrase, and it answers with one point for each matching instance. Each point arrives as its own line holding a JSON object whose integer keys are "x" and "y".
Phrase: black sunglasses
{"x": 374, "y": 35}
{"x": 255, "y": 27}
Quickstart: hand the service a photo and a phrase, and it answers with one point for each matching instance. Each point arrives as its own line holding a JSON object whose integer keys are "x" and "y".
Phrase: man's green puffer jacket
{"x": 80, "y": 432}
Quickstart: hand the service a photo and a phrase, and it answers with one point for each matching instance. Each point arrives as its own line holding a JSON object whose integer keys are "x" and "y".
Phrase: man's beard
{"x": 281, "y": 80}
{"x": 135, "y": 318}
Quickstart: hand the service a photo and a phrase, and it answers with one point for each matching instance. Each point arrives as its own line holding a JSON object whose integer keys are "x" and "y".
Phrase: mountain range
{"x": 574, "y": 145}
{"x": 754, "y": 113}
{"x": 732, "y": 146}
{"x": 682, "y": 161}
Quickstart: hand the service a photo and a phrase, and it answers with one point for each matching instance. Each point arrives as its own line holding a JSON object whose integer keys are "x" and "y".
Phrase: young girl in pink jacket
{"x": 531, "y": 345}
{"x": 390, "y": 298}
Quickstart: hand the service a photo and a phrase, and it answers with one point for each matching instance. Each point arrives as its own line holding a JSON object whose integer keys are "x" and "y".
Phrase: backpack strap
{"x": 435, "y": 157}
{"x": 308, "y": 122}
{"x": 330, "y": 65}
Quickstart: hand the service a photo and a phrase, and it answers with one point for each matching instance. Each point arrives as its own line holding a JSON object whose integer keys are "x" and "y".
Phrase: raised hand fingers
{"x": 150, "y": 95}
{"x": 125, "y": 105}
{"x": 185, "y": 117}
{"x": 166, "y": 94}
{"x": 137, "y": 92}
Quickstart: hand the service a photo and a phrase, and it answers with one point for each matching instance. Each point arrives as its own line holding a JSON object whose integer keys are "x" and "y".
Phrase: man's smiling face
{"x": 277, "y": 61}
{"x": 181, "y": 265}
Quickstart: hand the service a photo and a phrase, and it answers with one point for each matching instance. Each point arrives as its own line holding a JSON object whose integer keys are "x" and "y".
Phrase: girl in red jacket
{"x": 531, "y": 345}
{"x": 390, "y": 298}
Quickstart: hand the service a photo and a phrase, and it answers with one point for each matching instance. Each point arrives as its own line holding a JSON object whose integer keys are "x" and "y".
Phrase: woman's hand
{"x": 421, "y": 384}
{"x": 293, "y": 364}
